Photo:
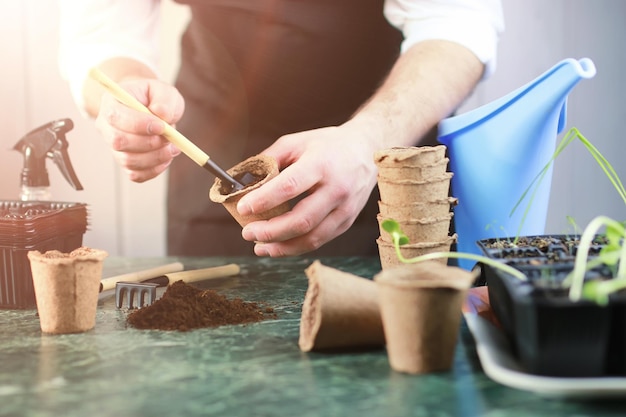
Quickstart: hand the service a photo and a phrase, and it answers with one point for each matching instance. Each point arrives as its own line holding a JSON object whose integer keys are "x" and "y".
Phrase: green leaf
{"x": 399, "y": 238}
{"x": 393, "y": 228}
{"x": 594, "y": 291}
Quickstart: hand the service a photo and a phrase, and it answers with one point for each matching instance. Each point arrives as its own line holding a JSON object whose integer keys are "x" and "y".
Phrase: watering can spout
{"x": 498, "y": 149}
{"x": 583, "y": 68}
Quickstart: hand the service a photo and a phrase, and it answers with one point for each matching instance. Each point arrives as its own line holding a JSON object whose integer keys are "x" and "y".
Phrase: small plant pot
{"x": 409, "y": 191}
{"x": 427, "y": 229}
{"x": 420, "y": 307}
{"x": 418, "y": 210}
{"x": 260, "y": 166}
{"x": 66, "y": 288}
{"x": 415, "y": 173}
{"x": 413, "y": 156}
{"x": 550, "y": 334}
{"x": 340, "y": 311}
{"x": 389, "y": 258}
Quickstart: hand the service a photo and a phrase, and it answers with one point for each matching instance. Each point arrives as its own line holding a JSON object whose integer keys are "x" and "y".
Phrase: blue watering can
{"x": 498, "y": 149}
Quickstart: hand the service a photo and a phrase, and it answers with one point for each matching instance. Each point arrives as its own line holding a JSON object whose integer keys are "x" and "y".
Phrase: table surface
{"x": 245, "y": 370}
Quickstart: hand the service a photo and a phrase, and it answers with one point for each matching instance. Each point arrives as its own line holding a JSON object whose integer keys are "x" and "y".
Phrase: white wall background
{"x": 128, "y": 219}
{"x": 539, "y": 34}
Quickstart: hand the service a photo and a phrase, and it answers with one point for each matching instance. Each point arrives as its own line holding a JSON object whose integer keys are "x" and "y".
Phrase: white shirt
{"x": 96, "y": 30}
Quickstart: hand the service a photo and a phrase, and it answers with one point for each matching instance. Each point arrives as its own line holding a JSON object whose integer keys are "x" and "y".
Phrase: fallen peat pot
{"x": 340, "y": 311}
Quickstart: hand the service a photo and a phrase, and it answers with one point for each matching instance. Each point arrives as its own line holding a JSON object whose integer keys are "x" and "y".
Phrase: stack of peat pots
{"x": 414, "y": 189}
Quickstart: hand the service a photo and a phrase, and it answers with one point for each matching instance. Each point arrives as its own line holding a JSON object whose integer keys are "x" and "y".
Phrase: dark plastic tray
{"x": 550, "y": 334}
{"x": 34, "y": 225}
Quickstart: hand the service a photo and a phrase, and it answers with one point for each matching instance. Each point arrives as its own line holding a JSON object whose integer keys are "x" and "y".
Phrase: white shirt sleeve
{"x": 93, "y": 31}
{"x": 475, "y": 24}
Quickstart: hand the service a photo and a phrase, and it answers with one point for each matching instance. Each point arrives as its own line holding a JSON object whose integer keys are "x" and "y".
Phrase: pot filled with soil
{"x": 550, "y": 333}
{"x": 261, "y": 167}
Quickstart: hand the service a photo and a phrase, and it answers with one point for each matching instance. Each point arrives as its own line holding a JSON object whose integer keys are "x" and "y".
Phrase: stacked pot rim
{"x": 414, "y": 186}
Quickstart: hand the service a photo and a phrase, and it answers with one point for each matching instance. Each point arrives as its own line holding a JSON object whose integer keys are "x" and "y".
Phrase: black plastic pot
{"x": 550, "y": 334}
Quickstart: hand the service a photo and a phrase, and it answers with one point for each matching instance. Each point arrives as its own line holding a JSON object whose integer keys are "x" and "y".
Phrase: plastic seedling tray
{"x": 550, "y": 334}
{"x": 33, "y": 225}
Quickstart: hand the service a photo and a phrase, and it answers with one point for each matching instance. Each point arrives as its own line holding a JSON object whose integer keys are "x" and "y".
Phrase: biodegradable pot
{"x": 550, "y": 334}
{"x": 260, "y": 166}
{"x": 66, "y": 288}
{"x": 409, "y": 156}
{"x": 340, "y": 311}
{"x": 418, "y": 210}
{"x": 410, "y": 191}
{"x": 389, "y": 258}
{"x": 415, "y": 173}
{"x": 420, "y": 230}
{"x": 420, "y": 307}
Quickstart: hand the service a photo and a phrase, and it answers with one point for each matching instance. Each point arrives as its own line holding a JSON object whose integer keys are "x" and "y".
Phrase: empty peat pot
{"x": 261, "y": 167}
{"x": 420, "y": 308}
{"x": 340, "y": 311}
{"x": 66, "y": 288}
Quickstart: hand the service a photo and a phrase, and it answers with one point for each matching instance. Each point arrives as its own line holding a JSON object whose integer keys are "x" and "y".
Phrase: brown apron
{"x": 254, "y": 70}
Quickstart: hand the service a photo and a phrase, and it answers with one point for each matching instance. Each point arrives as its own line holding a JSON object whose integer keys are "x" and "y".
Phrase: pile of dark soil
{"x": 184, "y": 307}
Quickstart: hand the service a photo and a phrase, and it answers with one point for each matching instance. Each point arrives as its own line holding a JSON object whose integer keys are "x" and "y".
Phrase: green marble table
{"x": 251, "y": 370}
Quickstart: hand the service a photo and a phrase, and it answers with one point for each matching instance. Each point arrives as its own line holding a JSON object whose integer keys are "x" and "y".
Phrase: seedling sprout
{"x": 399, "y": 238}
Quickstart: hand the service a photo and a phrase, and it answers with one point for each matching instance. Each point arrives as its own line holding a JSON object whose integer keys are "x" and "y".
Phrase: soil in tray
{"x": 550, "y": 334}
{"x": 184, "y": 307}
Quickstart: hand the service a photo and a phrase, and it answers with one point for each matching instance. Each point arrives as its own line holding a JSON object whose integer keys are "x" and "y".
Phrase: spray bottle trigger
{"x": 58, "y": 151}
{"x": 47, "y": 141}
{"x": 62, "y": 159}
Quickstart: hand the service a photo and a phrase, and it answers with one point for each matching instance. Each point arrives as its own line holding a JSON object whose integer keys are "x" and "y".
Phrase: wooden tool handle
{"x": 109, "y": 283}
{"x": 171, "y": 134}
{"x": 204, "y": 274}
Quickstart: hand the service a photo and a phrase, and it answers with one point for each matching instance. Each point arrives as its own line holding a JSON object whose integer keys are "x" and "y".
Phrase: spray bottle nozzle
{"x": 47, "y": 141}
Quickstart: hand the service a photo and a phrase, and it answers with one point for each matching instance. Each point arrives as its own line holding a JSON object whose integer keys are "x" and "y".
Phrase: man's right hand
{"x": 134, "y": 136}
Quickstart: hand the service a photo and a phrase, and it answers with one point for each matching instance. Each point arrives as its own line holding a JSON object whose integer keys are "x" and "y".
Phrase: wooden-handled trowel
{"x": 174, "y": 136}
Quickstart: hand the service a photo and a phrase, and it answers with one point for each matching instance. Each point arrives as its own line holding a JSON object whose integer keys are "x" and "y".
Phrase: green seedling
{"x": 399, "y": 238}
{"x": 498, "y": 239}
{"x": 569, "y": 137}
{"x": 612, "y": 254}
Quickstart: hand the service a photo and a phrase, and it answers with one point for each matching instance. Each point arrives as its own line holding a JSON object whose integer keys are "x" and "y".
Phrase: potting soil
{"x": 184, "y": 307}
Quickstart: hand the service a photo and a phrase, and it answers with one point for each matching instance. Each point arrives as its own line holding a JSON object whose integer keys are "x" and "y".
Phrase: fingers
{"x": 317, "y": 219}
{"x": 290, "y": 183}
{"x": 302, "y": 219}
{"x": 334, "y": 224}
{"x": 134, "y": 136}
{"x": 143, "y": 166}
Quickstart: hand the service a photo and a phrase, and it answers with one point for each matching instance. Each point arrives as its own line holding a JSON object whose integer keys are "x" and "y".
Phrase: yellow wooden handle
{"x": 204, "y": 274}
{"x": 109, "y": 283}
{"x": 171, "y": 134}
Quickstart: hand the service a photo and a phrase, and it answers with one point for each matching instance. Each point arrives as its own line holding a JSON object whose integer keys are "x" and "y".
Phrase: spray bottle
{"x": 47, "y": 141}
